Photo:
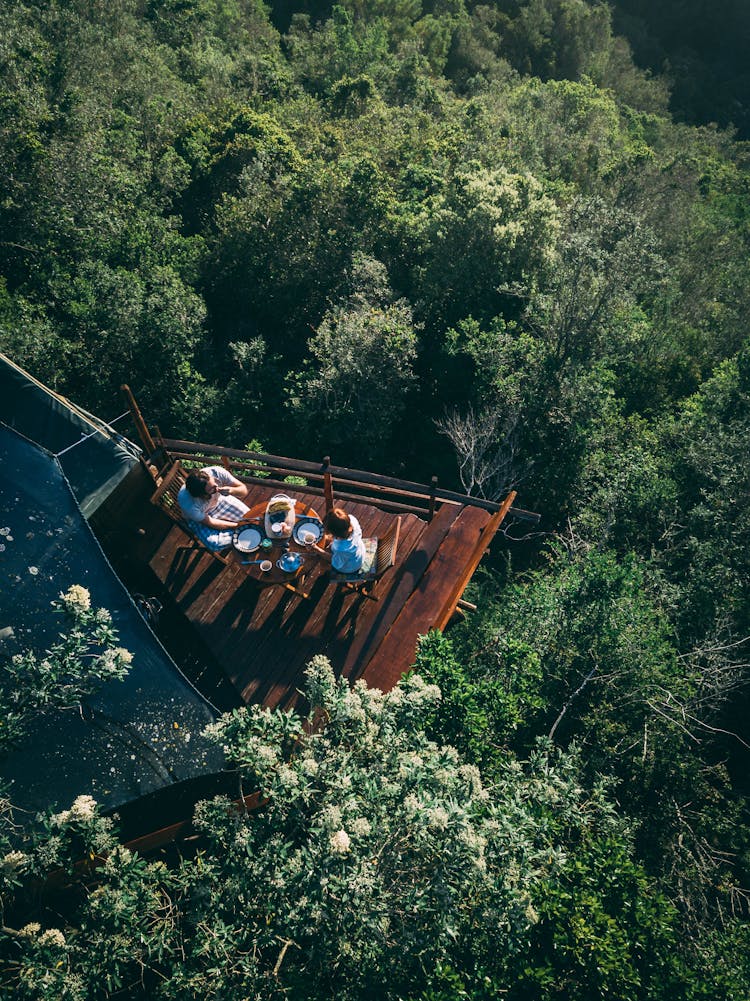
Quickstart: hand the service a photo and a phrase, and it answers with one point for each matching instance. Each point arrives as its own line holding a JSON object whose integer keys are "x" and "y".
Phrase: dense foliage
{"x": 435, "y": 237}
{"x": 377, "y": 865}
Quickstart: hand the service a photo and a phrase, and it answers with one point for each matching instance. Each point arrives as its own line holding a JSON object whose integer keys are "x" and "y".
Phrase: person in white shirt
{"x": 344, "y": 536}
{"x": 212, "y": 501}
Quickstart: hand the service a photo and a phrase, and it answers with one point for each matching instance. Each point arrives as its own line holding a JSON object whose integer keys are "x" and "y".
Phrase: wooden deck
{"x": 263, "y": 637}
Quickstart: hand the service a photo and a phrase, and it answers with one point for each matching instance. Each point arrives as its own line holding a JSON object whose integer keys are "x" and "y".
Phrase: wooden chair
{"x": 380, "y": 556}
{"x": 165, "y": 498}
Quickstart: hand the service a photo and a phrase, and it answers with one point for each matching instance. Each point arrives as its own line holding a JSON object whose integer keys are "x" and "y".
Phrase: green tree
{"x": 376, "y": 864}
{"x": 490, "y": 228}
{"x": 354, "y": 388}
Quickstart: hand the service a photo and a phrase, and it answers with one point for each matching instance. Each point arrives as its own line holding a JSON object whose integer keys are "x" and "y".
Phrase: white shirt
{"x": 347, "y": 554}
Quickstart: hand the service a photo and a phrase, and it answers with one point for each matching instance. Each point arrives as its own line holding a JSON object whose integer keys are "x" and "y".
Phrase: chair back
{"x": 165, "y": 495}
{"x": 385, "y": 556}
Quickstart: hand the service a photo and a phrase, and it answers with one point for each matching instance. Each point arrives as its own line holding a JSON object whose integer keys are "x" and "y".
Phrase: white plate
{"x": 302, "y": 527}
{"x": 247, "y": 540}
{"x": 290, "y": 562}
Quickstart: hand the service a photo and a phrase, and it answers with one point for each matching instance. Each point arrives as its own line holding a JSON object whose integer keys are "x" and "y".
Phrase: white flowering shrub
{"x": 83, "y": 658}
{"x": 487, "y": 229}
{"x": 126, "y": 926}
{"x": 376, "y": 854}
{"x": 374, "y": 864}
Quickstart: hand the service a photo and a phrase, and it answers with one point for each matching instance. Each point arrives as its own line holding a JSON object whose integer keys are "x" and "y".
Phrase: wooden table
{"x": 276, "y": 576}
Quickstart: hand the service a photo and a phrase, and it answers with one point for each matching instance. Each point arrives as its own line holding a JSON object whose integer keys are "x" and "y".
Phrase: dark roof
{"x": 93, "y": 462}
{"x": 132, "y": 737}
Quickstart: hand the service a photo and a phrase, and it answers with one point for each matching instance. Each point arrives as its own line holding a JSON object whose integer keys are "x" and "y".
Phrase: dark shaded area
{"x": 171, "y": 804}
{"x": 92, "y": 462}
{"x": 194, "y": 659}
{"x": 703, "y": 47}
{"x": 132, "y": 737}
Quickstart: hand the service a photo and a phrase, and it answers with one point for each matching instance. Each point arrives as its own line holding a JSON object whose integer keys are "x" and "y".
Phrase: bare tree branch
{"x": 486, "y": 447}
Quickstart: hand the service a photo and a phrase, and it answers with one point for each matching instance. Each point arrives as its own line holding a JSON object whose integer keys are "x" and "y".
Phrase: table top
{"x": 256, "y": 517}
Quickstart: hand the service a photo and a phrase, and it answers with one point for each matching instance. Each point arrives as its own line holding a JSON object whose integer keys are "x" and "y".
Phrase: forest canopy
{"x": 520, "y": 231}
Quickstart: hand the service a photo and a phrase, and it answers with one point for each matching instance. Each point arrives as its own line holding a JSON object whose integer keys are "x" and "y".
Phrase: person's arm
{"x": 229, "y": 484}
{"x": 236, "y": 489}
{"x": 322, "y": 549}
{"x": 221, "y": 523}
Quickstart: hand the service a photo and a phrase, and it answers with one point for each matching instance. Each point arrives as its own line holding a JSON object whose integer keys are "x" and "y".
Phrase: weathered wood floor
{"x": 264, "y": 636}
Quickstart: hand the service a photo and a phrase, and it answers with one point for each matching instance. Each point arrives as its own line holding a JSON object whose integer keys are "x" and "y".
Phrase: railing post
{"x": 433, "y": 490}
{"x": 140, "y": 424}
{"x": 327, "y": 483}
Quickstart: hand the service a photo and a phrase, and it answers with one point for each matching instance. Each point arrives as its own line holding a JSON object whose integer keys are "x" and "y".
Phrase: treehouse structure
{"x": 84, "y": 504}
{"x": 259, "y": 638}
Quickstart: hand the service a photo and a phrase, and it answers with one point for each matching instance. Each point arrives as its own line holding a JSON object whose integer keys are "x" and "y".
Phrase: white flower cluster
{"x": 348, "y": 707}
{"x": 83, "y": 809}
{"x": 360, "y": 827}
{"x": 330, "y": 817}
{"x": 13, "y": 862}
{"x": 410, "y": 765}
{"x": 266, "y": 755}
{"x": 372, "y": 698}
{"x": 52, "y": 936}
{"x": 77, "y": 598}
{"x": 340, "y": 842}
{"x": 118, "y": 858}
{"x": 309, "y": 767}
{"x": 437, "y": 818}
{"x": 287, "y": 777}
{"x": 116, "y": 657}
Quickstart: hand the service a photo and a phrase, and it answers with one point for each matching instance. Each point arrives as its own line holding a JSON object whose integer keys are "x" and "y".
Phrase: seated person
{"x": 345, "y": 537}
{"x": 212, "y": 503}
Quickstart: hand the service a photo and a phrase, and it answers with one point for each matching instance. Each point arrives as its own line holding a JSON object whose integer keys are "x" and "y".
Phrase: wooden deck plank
{"x": 264, "y": 636}
{"x": 471, "y": 563}
{"x": 179, "y": 565}
{"x": 396, "y": 653}
{"x": 277, "y": 637}
{"x": 324, "y": 623}
{"x": 344, "y": 619}
{"x": 404, "y": 580}
{"x": 261, "y": 638}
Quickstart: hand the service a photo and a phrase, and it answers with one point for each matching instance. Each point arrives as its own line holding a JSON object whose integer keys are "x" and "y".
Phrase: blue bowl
{"x": 290, "y": 562}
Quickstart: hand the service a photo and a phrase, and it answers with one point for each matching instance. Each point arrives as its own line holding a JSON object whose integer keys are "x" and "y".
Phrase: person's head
{"x": 200, "y": 483}
{"x": 338, "y": 523}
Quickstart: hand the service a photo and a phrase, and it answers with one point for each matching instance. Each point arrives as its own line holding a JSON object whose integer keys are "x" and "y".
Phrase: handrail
{"x": 388, "y": 487}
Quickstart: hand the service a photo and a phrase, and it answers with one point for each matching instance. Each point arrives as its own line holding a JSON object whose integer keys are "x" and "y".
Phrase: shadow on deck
{"x": 262, "y": 638}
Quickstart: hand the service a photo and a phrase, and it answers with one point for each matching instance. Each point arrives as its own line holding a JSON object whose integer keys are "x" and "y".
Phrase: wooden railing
{"x": 324, "y": 479}
{"x": 276, "y": 471}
